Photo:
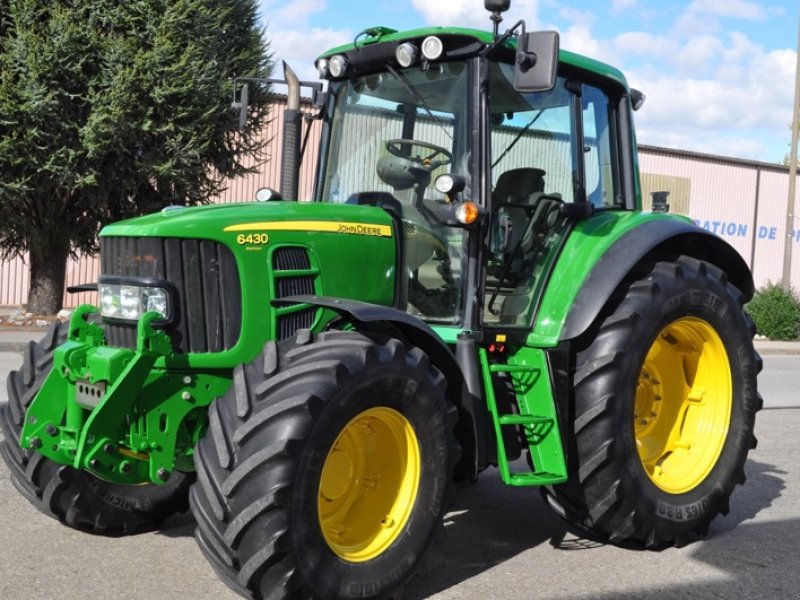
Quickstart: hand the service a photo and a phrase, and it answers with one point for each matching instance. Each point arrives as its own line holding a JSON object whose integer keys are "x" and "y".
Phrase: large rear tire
{"x": 664, "y": 407}
{"x": 326, "y": 468}
{"x": 75, "y": 497}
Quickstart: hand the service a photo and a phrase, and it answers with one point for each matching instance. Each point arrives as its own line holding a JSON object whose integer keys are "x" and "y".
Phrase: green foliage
{"x": 776, "y": 313}
{"x": 113, "y": 109}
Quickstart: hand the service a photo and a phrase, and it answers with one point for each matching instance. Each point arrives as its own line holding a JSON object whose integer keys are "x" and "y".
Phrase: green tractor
{"x": 474, "y": 283}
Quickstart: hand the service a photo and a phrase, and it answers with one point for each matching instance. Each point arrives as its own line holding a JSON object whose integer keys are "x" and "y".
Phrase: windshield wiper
{"x": 519, "y": 135}
{"x": 410, "y": 89}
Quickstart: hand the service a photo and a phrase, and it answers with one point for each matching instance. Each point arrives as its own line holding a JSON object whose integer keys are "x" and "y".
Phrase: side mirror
{"x": 537, "y": 61}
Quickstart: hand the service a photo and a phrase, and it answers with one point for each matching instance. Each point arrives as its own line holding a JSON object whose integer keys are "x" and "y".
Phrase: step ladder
{"x": 537, "y": 417}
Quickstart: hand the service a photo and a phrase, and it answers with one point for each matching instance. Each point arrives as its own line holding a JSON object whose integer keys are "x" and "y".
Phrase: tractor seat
{"x": 518, "y": 186}
{"x": 521, "y": 187}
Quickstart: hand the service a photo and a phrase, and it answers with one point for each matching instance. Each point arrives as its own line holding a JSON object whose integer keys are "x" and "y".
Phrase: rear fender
{"x": 649, "y": 239}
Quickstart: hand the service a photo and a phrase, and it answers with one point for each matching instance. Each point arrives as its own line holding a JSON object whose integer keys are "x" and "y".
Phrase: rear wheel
{"x": 75, "y": 497}
{"x": 664, "y": 407}
{"x": 326, "y": 469}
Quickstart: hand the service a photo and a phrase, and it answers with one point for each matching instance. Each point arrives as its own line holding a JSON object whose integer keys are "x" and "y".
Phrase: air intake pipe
{"x": 292, "y": 119}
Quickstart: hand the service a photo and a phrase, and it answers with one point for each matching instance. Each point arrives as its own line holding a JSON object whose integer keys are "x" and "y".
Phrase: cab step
{"x": 537, "y": 418}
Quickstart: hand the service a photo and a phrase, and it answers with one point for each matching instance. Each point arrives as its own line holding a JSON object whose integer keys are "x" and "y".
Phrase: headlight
{"x": 322, "y": 68}
{"x": 406, "y": 54}
{"x": 337, "y": 66}
{"x": 432, "y": 47}
{"x": 130, "y": 302}
{"x": 450, "y": 183}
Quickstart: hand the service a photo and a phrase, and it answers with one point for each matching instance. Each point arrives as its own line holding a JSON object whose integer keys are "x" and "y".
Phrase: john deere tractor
{"x": 474, "y": 285}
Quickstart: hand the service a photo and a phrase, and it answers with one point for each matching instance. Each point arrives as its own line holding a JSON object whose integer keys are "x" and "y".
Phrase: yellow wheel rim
{"x": 369, "y": 483}
{"x": 683, "y": 405}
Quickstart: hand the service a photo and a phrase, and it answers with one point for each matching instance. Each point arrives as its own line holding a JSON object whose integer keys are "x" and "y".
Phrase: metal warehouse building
{"x": 742, "y": 201}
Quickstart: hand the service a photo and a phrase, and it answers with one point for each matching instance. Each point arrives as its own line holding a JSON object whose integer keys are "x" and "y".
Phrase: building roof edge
{"x": 728, "y": 160}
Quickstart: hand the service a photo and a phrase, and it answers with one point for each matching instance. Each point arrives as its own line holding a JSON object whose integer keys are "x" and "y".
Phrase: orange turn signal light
{"x": 467, "y": 213}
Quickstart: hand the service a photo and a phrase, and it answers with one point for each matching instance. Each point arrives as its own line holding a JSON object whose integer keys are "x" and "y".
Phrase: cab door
{"x": 549, "y": 150}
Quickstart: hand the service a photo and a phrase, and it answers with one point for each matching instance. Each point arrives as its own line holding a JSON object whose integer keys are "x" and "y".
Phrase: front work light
{"x": 432, "y": 47}
{"x": 322, "y": 68}
{"x": 130, "y": 302}
{"x": 450, "y": 184}
{"x": 337, "y": 66}
{"x": 406, "y": 54}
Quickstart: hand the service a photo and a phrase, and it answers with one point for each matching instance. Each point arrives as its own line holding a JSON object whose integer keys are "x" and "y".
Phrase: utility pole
{"x": 789, "y": 239}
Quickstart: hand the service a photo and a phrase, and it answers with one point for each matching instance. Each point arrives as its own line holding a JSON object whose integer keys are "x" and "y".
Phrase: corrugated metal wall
{"x": 14, "y": 281}
{"x": 243, "y": 189}
{"x": 771, "y": 230}
{"x": 744, "y": 202}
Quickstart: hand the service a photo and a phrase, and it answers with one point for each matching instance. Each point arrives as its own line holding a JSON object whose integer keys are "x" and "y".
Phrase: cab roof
{"x": 380, "y": 35}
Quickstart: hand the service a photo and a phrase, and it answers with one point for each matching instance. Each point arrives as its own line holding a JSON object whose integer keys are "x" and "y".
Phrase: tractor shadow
{"x": 178, "y": 526}
{"x": 487, "y": 525}
{"x": 490, "y": 524}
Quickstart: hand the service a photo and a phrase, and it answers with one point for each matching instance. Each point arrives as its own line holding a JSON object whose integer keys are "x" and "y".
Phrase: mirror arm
{"x": 491, "y": 48}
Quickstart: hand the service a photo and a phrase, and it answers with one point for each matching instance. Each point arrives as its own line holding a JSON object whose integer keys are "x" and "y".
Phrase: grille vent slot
{"x": 291, "y": 259}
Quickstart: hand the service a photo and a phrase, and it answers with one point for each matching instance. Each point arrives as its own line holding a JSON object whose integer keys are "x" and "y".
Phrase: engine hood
{"x": 224, "y": 222}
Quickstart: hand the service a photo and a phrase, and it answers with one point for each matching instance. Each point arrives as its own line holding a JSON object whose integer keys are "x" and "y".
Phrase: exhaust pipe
{"x": 292, "y": 118}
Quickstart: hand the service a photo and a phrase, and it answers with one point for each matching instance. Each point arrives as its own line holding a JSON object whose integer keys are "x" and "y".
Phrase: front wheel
{"x": 326, "y": 469}
{"x": 664, "y": 408}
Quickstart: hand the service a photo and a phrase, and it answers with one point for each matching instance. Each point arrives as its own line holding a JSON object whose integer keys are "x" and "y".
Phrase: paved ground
{"x": 499, "y": 542}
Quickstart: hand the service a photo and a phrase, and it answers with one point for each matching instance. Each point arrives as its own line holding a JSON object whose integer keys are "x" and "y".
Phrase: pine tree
{"x": 113, "y": 109}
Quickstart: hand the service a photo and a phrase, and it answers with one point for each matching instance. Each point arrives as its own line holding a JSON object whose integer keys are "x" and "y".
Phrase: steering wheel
{"x": 395, "y": 147}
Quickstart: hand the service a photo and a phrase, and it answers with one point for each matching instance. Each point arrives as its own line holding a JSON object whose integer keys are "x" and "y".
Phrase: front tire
{"x": 664, "y": 408}
{"x": 77, "y": 498}
{"x": 326, "y": 468}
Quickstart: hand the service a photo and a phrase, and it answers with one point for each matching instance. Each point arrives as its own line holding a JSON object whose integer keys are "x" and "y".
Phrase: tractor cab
{"x": 483, "y": 162}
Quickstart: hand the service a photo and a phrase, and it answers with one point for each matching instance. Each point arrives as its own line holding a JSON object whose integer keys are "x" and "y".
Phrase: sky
{"x": 718, "y": 74}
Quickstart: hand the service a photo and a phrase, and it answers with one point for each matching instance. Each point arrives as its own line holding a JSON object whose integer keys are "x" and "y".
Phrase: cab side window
{"x": 599, "y": 148}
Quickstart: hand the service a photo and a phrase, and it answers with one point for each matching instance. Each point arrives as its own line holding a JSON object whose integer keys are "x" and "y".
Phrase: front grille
{"x": 292, "y": 258}
{"x": 208, "y": 307}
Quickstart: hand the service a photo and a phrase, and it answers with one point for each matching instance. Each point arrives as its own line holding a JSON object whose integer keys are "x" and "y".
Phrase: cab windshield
{"x": 391, "y": 134}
